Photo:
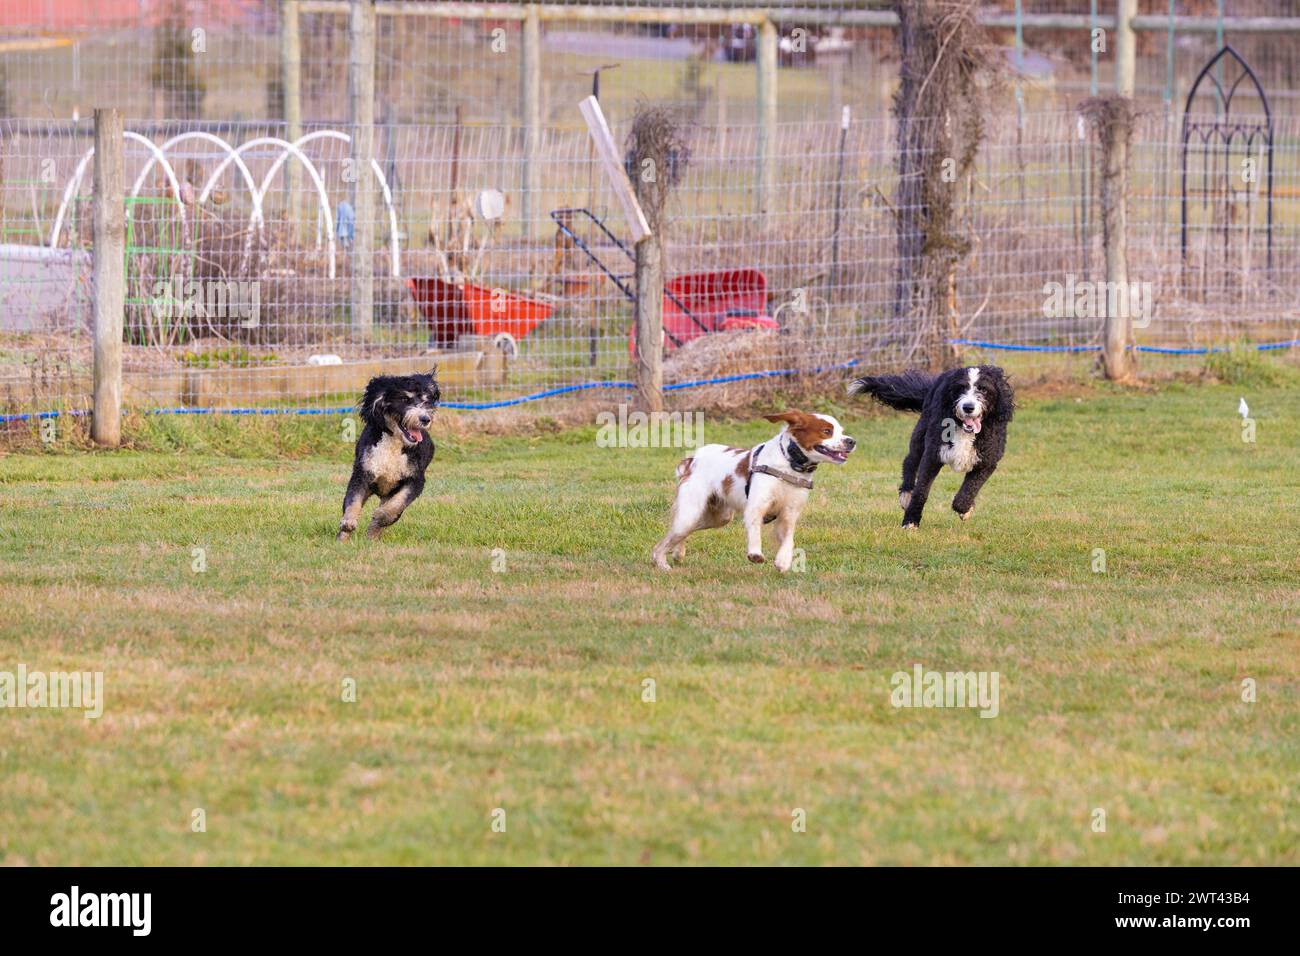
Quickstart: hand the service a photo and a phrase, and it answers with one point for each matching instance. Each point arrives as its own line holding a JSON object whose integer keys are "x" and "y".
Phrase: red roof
{"x": 46, "y": 16}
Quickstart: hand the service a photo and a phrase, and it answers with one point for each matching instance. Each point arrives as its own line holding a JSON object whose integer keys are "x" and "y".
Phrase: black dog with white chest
{"x": 393, "y": 451}
{"x": 964, "y": 417}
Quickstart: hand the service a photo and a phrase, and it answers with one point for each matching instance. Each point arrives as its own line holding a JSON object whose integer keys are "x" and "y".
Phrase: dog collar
{"x": 797, "y": 459}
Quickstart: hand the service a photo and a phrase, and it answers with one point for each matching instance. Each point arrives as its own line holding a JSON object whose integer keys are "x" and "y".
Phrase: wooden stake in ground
{"x": 110, "y": 277}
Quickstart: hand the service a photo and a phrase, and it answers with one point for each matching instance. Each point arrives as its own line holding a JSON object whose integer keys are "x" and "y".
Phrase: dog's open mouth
{"x": 972, "y": 425}
{"x": 412, "y": 436}
{"x": 837, "y": 455}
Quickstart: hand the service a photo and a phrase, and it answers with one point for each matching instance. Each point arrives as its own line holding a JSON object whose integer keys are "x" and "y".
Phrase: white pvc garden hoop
{"x": 257, "y": 193}
{"x": 75, "y": 183}
{"x": 231, "y": 152}
{"x": 393, "y": 243}
{"x": 312, "y": 171}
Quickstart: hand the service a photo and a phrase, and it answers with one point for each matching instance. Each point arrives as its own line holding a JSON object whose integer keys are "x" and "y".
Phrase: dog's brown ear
{"x": 790, "y": 416}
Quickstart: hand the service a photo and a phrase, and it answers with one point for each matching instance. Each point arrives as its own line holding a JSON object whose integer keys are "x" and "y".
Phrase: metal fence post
{"x": 110, "y": 277}
{"x": 530, "y": 103}
{"x": 767, "y": 68}
{"x": 361, "y": 94}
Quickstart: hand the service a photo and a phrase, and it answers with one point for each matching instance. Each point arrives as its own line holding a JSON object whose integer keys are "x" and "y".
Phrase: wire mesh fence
{"x": 220, "y": 59}
{"x": 503, "y": 256}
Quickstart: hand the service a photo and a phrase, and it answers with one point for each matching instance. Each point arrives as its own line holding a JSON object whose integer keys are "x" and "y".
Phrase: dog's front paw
{"x": 757, "y": 558}
{"x": 965, "y": 515}
{"x": 344, "y": 533}
{"x": 911, "y": 525}
{"x": 661, "y": 553}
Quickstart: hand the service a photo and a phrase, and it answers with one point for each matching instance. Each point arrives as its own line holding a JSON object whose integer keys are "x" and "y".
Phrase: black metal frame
{"x": 1227, "y": 131}
{"x": 559, "y": 216}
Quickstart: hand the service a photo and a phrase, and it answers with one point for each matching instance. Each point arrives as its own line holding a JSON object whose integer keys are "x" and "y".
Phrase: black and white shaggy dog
{"x": 964, "y": 417}
{"x": 393, "y": 451}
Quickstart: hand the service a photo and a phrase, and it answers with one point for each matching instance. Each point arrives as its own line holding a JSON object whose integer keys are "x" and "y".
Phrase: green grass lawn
{"x": 522, "y": 688}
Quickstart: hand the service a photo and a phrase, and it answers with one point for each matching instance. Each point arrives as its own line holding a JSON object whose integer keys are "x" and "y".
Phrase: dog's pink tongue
{"x": 975, "y": 425}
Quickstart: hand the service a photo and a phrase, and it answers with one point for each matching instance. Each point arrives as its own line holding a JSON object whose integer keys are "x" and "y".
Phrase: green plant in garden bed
{"x": 235, "y": 356}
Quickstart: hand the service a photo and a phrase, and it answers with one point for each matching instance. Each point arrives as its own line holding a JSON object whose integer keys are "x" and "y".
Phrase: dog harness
{"x": 798, "y": 461}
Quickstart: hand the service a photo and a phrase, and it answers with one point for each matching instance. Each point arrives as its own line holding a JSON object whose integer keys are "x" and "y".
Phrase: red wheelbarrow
{"x": 704, "y": 302}
{"x": 694, "y": 304}
{"x": 454, "y": 310}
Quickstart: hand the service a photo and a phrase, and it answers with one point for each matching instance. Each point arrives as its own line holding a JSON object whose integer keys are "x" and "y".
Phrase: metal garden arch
{"x": 1224, "y": 129}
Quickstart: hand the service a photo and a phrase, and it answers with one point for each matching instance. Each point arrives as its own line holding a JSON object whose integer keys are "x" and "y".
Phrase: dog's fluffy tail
{"x": 905, "y": 392}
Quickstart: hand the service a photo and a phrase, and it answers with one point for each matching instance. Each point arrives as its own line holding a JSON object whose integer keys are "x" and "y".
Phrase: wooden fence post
{"x": 291, "y": 88}
{"x": 361, "y": 95}
{"x": 110, "y": 277}
{"x": 1125, "y": 48}
{"x": 767, "y": 69}
{"x": 648, "y": 313}
{"x": 530, "y": 103}
{"x": 1115, "y": 124}
{"x": 648, "y": 310}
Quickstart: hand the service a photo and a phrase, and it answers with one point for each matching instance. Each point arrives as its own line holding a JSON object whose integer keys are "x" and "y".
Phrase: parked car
{"x": 741, "y": 43}
{"x": 797, "y": 46}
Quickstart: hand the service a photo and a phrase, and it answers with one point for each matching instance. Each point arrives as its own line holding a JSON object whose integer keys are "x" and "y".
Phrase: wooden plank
{"x": 295, "y": 384}
{"x": 261, "y": 386}
{"x": 755, "y": 14}
{"x": 1211, "y": 24}
{"x": 612, "y": 163}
